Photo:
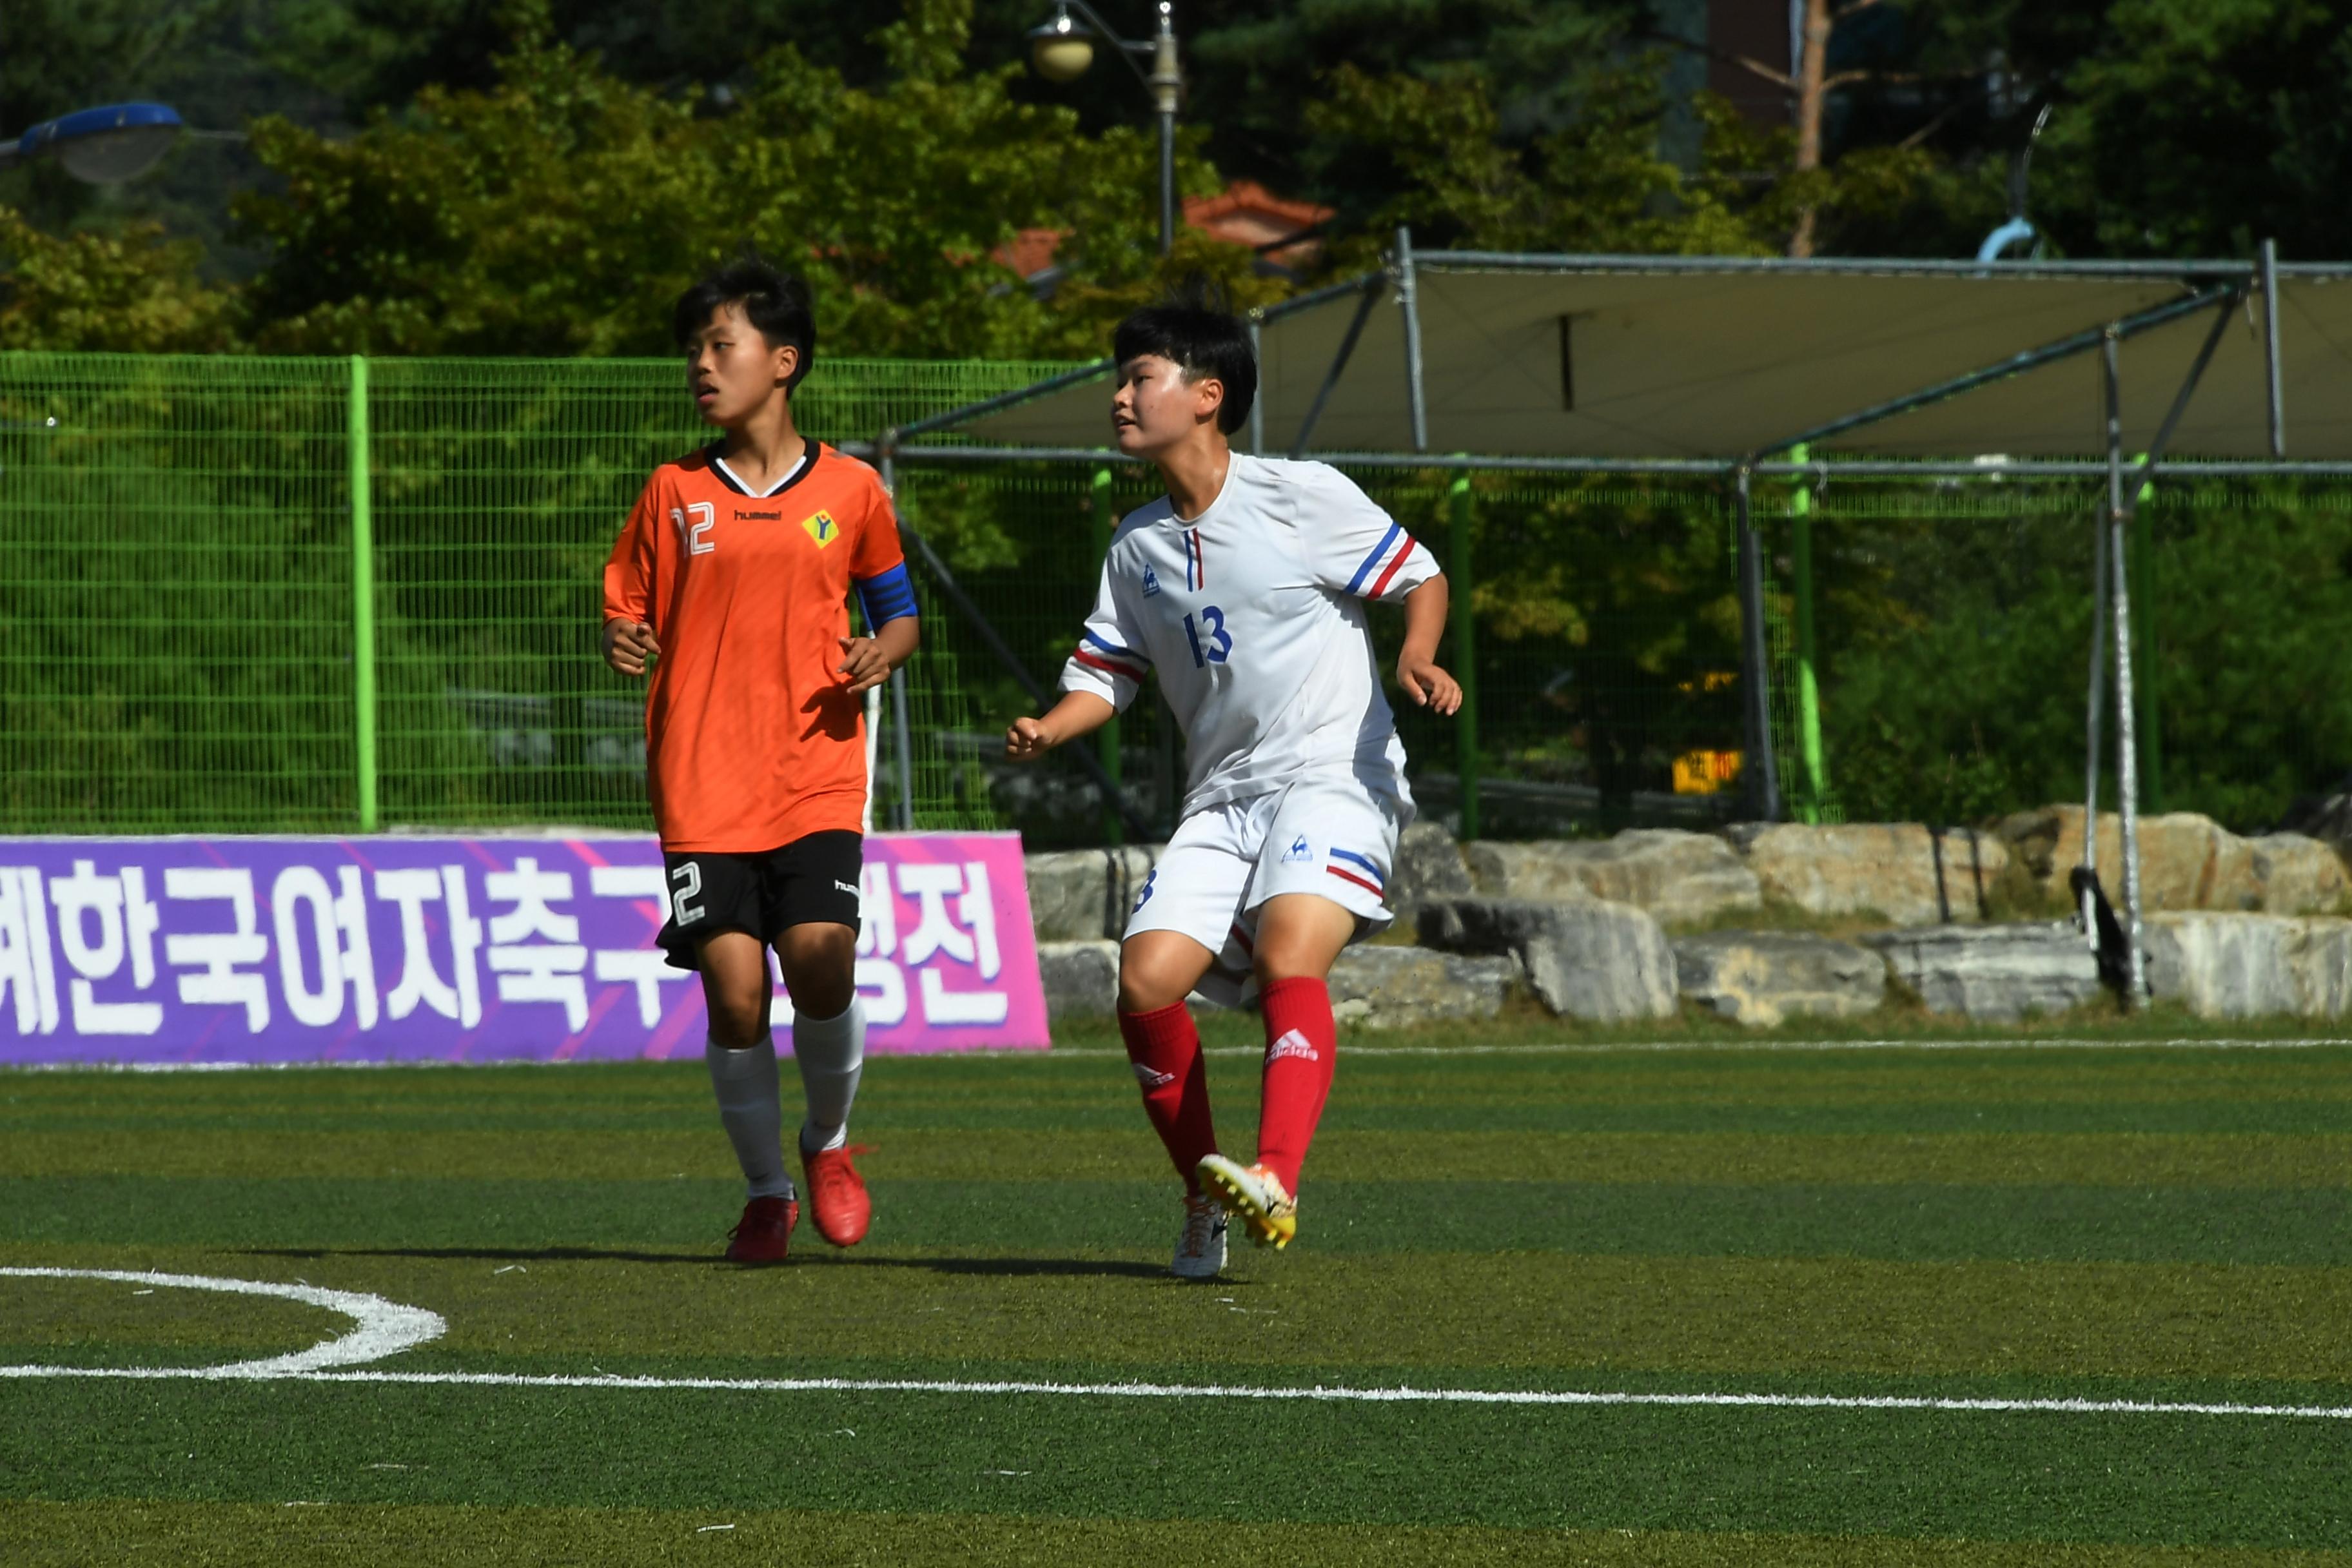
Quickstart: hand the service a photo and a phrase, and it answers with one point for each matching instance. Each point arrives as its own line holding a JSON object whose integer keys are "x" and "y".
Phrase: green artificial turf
{"x": 2139, "y": 1221}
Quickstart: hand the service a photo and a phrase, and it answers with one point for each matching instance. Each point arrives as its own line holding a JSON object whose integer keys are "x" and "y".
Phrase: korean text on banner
{"x": 499, "y": 949}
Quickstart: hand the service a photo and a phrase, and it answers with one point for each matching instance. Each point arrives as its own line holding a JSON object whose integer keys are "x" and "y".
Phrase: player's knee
{"x": 1299, "y": 951}
{"x": 737, "y": 1021}
{"x": 1146, "y": 988}
{"x": 1276, "y": 961}
{"x": 820, "y": 965}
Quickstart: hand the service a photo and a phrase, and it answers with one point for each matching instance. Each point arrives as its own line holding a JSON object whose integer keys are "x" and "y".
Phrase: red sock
{"x": 1301, "y": 1048}
{"x": 1165, "y": 1047}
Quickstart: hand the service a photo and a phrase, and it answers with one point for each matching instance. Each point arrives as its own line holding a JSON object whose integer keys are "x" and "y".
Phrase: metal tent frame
{"x": 2221, "y": 287}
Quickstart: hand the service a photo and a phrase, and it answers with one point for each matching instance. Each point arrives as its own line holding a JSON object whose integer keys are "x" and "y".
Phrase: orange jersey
{"x": 752, "y": 739}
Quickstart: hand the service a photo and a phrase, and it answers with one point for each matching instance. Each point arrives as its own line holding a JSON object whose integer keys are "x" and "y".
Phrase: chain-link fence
{"x": 1955, "y": 637}
{"x": 180, "y": 584}
{"x": 1606, "y": 628}
{"x": 1928, "y": 644}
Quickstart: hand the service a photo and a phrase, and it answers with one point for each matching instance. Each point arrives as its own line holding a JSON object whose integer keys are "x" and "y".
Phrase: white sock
{"x": 831, "y": 1057}
{"x": 751, "y": 1108}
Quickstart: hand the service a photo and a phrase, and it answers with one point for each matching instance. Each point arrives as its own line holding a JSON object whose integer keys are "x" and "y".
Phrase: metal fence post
{"x": 1100, "y": 497}
{"x": 362, "y": 597}
{"x": 2144, "y": 661}
{"x": 1257, "y": 404}
{"x": 902, "y": 729}
{"x": 2091, "y": 725}
{"x": 2272, "y": 377}
{"x": 1409, "y": 295}
{"x": 2127, "y": 758}
{"x": 1813, "y": 797}
{"x": 1465, "y": 654}
{"x": 1759, "y": 775}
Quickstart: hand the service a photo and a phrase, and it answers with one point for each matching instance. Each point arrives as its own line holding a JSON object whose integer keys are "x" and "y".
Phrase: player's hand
{"x": 628, "y": 644}
{"x": 862, "y": 665}
{"x": 1427, "y": 685}
{"x": 1028, "y": 740}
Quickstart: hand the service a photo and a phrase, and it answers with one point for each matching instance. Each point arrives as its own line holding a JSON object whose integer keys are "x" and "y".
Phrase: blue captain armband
{"x": 885, "y": 597}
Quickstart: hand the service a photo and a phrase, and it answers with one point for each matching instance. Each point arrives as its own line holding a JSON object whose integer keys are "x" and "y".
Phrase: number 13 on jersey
{"x": 1219, "y": 642}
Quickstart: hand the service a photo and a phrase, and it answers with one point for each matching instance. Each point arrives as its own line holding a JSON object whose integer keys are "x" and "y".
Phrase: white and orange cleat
{"x": 1256, "y": 1195}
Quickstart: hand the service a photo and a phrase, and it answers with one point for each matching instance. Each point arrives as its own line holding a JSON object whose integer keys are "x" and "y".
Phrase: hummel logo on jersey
{"x": 1150, "y": 582}
{"x": 1297, "y": 851}
{"x": 1152, "y": 1077}
{"x": 741, "y": 516}
{"x": 841, "y": 887}
{"x": 821, "y": 528}
{"x": 1293, "y": 1044}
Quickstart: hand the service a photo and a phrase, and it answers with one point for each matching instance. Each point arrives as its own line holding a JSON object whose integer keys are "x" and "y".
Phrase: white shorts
{"x": 1333, "y": 840}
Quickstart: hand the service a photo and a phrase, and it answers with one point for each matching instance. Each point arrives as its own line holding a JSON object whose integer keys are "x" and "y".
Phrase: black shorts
{"x": 811, "y": 880}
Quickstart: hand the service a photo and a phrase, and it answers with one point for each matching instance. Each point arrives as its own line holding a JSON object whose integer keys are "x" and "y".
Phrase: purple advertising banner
{"x": 473, "y": 950}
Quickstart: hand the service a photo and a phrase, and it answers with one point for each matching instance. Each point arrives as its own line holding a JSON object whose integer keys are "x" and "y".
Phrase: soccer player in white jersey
{"x": 1245, "y": 588}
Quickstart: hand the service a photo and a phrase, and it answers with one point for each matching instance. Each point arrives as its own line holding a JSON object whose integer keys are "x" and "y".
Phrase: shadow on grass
{"x": 1000, "y": 1268}
{"x": 494, "y": 1254}
{"x": 1014, "y": 1268}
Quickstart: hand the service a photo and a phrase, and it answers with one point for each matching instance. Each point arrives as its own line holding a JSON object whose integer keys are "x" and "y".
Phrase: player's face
{"x": 1155, "y": 407}
{"x": 731, "y": 371}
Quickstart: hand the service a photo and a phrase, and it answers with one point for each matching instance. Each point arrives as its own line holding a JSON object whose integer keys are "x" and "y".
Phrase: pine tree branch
{"x": 1781, "y": 79}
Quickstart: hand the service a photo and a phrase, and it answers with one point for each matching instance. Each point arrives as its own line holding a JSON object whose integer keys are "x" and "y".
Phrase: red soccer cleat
{"x": 764, "y": 1234}
{"x": 837, "y": 1200}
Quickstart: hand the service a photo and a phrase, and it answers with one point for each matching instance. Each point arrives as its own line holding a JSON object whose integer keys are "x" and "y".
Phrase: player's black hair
{"x": 1195, "y": 328}
{"x": 777, "y": 303}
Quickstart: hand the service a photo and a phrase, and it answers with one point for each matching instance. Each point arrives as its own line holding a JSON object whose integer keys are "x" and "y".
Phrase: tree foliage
{"x": 133, "y": 291}
{"x": 1600, "y": 183}
{"x": 636, "y": 142}
{"x": 560, "y": 211}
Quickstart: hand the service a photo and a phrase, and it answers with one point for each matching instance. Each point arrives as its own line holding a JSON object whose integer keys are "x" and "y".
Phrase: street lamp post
{"x": 104, "y": 146}
{"x": 1063, "y": 48}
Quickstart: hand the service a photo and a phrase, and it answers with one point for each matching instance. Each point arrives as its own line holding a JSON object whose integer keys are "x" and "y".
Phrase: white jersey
{"x": 1253, "y": 613}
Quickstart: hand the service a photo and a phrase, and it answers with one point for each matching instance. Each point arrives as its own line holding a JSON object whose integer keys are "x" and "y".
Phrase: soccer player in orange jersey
{"x": 732, "y": 580}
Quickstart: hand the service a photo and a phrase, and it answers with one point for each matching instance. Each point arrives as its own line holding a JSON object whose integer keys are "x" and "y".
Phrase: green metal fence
{"x": 1927, "y": 643}
{"x": 1955, "y": 632}
{"x": 247, "y": 595}
{"x": 213, "y": 564}
{"x": 1604, "y": 618}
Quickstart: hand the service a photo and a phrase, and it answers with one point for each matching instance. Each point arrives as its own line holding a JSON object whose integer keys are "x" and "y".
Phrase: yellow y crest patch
{"x": 821, "y": 528}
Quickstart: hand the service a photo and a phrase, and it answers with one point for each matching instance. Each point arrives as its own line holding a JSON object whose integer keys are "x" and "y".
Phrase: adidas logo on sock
{"x": 1151, "y": 1077}
{"x": 1293, "y": 1044}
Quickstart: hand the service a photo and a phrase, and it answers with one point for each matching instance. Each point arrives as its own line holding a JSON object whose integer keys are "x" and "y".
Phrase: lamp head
{"x": 1063, "y": 48}
{"x": 105, "y": 146}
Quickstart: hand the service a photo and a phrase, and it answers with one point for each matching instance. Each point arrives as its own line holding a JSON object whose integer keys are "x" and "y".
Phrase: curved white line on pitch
{"x": 380, "y": 1328}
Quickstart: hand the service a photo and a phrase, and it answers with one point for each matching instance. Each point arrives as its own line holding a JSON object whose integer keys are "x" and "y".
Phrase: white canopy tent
{"x": 1725, "y": 358}
{"x": 1728, "y": 365}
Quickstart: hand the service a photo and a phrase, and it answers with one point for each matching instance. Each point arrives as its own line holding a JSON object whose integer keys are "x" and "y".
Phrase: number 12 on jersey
{"x": 1219, "y": 641}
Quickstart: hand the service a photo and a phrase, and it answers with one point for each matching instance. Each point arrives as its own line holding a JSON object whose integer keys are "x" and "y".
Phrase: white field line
{"x": 381, "y": 1328}
{"x": 1558, "y": 1048}
{"x": 1341, "y": 1395}
{"x": 387, "y": 1328}
{"x": 1577, "y": 1047}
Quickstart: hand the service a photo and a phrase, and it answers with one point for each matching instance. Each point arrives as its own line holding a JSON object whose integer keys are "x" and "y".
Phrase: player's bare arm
{"x": 628, "y": 644}
{"x": 1417, "y": 669}
{"x": 1077, "y": 714}
{"x": 866, "y": 662}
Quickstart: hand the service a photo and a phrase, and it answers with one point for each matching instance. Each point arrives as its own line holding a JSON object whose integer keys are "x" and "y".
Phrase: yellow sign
{"x": 1705, "y": 773}
{"x": 821, "y": 528}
